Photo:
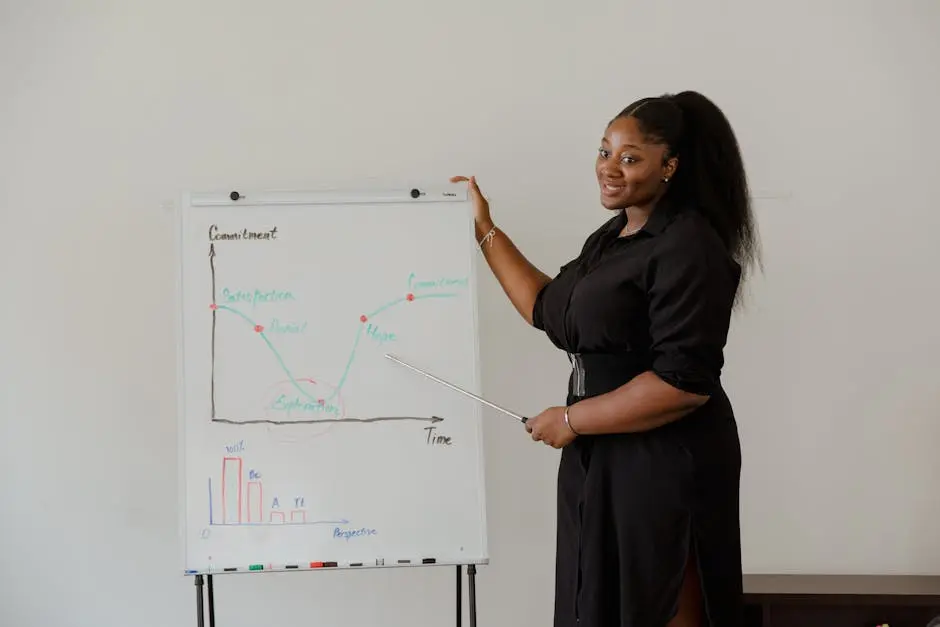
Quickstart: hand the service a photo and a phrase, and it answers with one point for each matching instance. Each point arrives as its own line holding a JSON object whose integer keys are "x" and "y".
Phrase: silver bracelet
{"x": 569, "y": 423}
{"x": 488, "y": 237}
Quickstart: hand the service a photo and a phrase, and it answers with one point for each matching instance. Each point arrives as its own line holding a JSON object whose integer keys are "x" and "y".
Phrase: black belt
{"x": 593, "y": 374}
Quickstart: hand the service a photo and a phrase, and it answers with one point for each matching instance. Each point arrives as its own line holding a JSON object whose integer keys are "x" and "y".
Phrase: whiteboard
{"x": 301, "y": 445}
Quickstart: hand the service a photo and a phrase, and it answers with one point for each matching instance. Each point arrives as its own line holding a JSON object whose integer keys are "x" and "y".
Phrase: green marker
{"x": 256, "y": 567}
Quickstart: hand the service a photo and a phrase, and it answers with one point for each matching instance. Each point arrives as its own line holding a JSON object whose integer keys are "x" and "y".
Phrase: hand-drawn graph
{"x": 241, "y": 500}
{"x": 297, "y": 398}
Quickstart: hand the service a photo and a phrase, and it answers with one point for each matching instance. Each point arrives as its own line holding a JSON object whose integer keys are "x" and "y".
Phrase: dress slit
{"x": 691, "y": 566}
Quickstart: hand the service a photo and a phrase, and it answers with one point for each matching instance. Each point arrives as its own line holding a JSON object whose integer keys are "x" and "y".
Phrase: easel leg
{"x": 471, "y": 574}
{"x": 211, "y": 601}
{"x": 459, "y": 595}
{"x": 200, "y": 613}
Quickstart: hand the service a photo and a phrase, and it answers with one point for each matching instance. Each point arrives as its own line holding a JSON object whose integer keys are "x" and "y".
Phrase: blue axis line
{"x": 352, "y": 354}
{"x": 282, "y": 524}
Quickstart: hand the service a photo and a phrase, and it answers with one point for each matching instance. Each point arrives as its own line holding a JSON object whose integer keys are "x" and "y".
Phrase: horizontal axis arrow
{"x": 432, "y": 420}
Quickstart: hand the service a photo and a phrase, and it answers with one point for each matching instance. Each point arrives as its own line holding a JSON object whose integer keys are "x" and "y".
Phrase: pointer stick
{"x": 521, "y": 419}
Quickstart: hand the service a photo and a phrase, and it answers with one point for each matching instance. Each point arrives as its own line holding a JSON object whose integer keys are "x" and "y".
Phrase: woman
{"x": 648, "y": 527}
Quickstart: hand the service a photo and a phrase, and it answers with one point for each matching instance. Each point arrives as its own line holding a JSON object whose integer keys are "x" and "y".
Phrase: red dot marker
{"x": 410, "y": 296}
{"x": 213, "y": 306}
{"x": 322, "y": 402}
{"x": 362, "y": 318}
{"x": 259, "y": 328}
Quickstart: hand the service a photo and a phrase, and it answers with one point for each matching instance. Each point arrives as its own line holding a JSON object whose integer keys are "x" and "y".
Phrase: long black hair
{"x": 710, "y": 176}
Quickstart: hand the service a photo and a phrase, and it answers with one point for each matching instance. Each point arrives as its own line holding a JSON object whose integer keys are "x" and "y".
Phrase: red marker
{"x": 259, "y": 328}
{"x": 410, "y": 296}
{"x": 213, "y": 306}
{"x": 362, "y": 318}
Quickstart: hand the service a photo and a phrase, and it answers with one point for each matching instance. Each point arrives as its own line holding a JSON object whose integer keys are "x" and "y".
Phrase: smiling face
{"x": 630, "y": 169}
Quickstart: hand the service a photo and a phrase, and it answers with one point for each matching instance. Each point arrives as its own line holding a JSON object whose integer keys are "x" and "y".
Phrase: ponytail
{"x": 710, "y": 176}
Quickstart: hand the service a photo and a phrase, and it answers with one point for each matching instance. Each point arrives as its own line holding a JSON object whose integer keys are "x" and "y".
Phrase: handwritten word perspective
{"x": 346, "y": 534}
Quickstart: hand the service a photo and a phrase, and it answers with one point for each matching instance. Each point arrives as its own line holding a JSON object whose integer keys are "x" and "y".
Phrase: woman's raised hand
{"x": 481, "y": 207}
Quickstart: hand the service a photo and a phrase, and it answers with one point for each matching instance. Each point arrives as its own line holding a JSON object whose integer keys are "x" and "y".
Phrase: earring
{"x": 665, "y": 179}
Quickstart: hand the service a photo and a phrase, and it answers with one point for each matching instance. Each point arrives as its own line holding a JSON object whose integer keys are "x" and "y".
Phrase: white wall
{"x": 110, "y": 109}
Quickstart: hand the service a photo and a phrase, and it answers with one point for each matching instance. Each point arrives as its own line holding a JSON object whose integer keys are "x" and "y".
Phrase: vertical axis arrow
{"x": 214, "y": 311}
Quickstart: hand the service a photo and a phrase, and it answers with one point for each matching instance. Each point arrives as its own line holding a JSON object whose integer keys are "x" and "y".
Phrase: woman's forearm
{"x": 644, "y": 403}
{"x": 520, "y": 280}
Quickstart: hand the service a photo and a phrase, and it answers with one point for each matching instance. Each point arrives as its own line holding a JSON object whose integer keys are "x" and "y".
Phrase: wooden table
{"x": 841, "y": 600}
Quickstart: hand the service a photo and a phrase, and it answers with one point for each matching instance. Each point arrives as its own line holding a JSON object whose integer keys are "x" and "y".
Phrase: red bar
{"x": 255, "y": 498}
{"x": 302, "y": 515}
{"x": 225, "y": 489}
{"x": 279, "y": 515}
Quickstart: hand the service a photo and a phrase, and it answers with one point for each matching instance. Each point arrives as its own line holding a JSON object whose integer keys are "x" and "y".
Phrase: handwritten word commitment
{"x": 431, "y": 284}
{"x": 347, "y": 534}
{"x": 216, "y": 235}
{"x": 255, "y": 297}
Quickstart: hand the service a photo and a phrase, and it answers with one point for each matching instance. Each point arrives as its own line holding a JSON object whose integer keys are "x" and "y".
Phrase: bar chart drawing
{"x": 242, "y": 499}
{"x": 255, "y": 506}
{"x": 231, "y": 490}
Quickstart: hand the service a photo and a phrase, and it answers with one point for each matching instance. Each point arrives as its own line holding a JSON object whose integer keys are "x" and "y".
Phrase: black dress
{"x": 631, "y": 506}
